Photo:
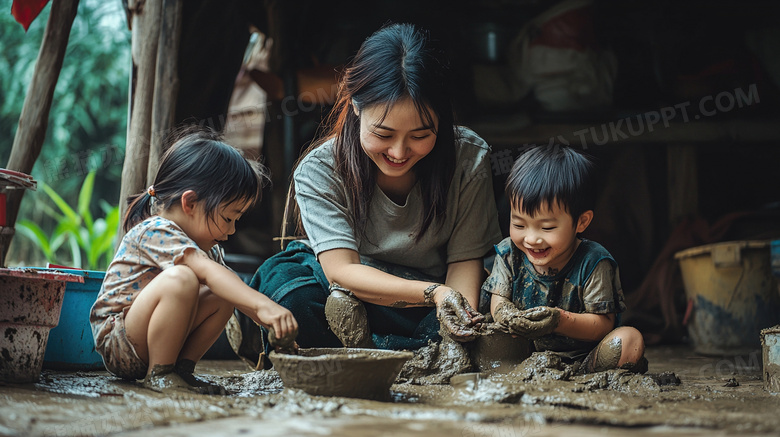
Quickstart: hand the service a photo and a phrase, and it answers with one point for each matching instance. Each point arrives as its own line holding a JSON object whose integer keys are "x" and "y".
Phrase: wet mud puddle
{"x": 677, "y": 392}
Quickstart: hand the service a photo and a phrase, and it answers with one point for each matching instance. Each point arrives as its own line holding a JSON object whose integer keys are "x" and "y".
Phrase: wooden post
{"x": 146, "y": 22}
{"x": 683, "y": 182}
{"x": 34, "y": 119}
{"x": 166, "y": 83}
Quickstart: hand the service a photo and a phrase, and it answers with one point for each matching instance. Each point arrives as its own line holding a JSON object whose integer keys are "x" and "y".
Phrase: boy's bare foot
{"x": 347, "y": 318}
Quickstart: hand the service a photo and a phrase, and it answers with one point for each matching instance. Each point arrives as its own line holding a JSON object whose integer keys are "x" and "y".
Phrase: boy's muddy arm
{"x": 585, "y": 326}
{"x": 539, "y": 321}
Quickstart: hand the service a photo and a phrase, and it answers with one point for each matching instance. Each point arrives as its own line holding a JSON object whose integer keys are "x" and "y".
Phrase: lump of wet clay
{"x": 665, "y": 378}
{"x": 347, "y": 318}
{"x": 436, "y": 363}
{"x": 478, "y": 387}
{"x": 542, "y": 366}
{"x": 285, "y": 344}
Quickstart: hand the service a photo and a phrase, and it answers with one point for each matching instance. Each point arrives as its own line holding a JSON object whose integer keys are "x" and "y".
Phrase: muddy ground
{"x": 682, "y": 394}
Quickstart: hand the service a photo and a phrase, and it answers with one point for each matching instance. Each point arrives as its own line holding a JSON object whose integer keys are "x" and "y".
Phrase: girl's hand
{"x": 278, "y": 320}
{"x": 456, "y": 314}
{"x": 284, "y": 343}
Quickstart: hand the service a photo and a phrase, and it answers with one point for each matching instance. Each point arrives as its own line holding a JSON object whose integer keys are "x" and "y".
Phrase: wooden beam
{"x": 146, "y": 23}
{"x": 516, "y": 131}
{"x": 166, "y": 83}
{"x": 34, "y": 119}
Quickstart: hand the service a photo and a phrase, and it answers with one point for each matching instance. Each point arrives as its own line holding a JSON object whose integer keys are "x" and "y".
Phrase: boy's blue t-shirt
{"x": 589, "y": 283}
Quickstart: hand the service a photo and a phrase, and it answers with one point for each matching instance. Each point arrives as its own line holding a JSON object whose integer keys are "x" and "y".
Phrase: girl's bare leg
{"x": 161, "y": 317}
{"x": 210, "y": 319}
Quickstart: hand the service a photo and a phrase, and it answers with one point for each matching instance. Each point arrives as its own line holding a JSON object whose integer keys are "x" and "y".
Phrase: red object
{"x": 57, "y": 266}
{"x": 572, "y": 29}
{"x": 25, "y": 11}
{"x": 31, "y": 273}
{"x": 2, "y": 209}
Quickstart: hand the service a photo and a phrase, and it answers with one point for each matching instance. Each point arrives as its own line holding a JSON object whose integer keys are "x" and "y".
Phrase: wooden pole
{"x": 682, "y": 182}
{"x": 146, "y": 22}
{"x": 166, "y": 83}
{"x": 34, "y": 119}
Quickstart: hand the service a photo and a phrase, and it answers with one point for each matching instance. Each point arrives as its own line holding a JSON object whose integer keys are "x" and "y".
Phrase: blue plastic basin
{"x": 71, "y": 346}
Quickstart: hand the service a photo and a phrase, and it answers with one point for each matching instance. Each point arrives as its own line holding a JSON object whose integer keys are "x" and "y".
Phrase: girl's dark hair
{"x": 198, "y": 160}
{"x": 398, "y": 61}
{"x": 546, "y": 174}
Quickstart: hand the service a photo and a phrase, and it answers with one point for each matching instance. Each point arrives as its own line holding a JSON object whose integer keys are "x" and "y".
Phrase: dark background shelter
{"x": 700, "y": 175}
{"x": 677, "y": 101}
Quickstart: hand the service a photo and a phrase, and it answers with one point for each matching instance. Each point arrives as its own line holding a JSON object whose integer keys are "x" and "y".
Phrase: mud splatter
{"x": 348, "y": 319}
{"x": 606, "y": 356}
{"x": 682, "y": 393}
{"x": 436, "y": 363}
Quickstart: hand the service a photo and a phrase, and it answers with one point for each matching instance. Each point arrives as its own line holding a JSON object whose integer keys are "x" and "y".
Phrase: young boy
{"x": 551, "y": 286}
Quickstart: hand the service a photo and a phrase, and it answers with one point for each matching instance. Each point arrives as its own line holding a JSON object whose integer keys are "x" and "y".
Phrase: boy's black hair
{"x": 546, "y": 174}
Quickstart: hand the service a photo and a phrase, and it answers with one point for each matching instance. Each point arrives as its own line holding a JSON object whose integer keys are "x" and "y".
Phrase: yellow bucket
{"x": 732, "y": 293}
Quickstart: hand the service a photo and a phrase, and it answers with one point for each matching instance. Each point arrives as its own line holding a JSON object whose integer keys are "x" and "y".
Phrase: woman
{"x": 396, "y": 204}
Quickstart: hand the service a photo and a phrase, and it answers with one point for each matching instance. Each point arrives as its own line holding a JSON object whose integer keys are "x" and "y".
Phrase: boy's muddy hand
{"x": 532, "y": 323}
{"x": 457, "y": 316}
{"x": 543, "y": 320}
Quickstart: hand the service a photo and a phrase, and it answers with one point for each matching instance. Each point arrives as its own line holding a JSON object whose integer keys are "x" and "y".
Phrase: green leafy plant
{"x": 89, "y": 241}
{"x": 87, "y": 123}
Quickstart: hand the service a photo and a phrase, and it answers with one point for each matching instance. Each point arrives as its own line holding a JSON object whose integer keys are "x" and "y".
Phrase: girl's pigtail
{"x": 139, "y": 209}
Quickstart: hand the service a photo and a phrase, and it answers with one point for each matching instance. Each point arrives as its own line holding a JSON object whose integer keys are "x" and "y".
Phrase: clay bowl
{"x": 347, "y": 372}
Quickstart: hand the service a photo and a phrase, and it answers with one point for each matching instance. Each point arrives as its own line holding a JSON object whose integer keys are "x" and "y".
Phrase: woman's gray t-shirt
{"x": 469, "y": 231}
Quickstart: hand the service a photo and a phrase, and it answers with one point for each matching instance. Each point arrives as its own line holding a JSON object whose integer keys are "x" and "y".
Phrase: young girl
{"x": 397, "y": 206}
{"x": 167, "y": 294}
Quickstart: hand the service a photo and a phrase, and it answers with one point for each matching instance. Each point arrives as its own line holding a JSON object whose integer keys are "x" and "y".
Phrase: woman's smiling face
{"x": 396, "y": 141}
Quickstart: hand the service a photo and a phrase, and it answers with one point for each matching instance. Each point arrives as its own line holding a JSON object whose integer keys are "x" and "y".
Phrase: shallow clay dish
{"x": 356, "y": 373}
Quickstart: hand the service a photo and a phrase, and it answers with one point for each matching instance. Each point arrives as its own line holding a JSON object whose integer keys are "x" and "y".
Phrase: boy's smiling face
{"x": 548, "y": 238}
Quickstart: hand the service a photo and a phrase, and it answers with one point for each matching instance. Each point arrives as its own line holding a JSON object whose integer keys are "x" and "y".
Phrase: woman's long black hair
{"x": 398, "y": 61}
{"x": 199, "y": 161}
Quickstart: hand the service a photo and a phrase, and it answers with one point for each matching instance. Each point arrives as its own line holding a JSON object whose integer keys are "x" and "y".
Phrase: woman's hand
{"x": 456, "y": 314}
{"x": 531, "y": 323}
